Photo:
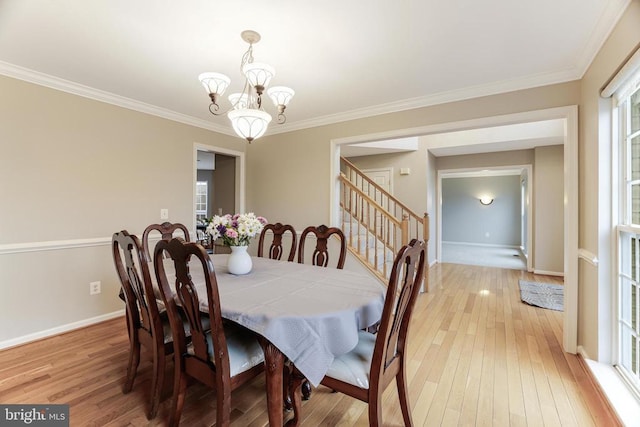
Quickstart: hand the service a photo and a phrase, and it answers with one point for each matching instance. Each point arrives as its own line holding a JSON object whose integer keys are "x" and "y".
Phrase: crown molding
{"x": 604, "y": 27}
{"x": 607, "y": 22}
{"x": 31, "y": 76}
{"x": 462, "y": 94}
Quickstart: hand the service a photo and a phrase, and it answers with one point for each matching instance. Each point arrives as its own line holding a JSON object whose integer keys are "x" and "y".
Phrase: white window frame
{"x": 202, "y": 212}
{"x": 626, "y": 233}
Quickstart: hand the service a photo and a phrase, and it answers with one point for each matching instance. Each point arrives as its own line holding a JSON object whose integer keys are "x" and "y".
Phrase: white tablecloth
{"x": 311, "y": 314}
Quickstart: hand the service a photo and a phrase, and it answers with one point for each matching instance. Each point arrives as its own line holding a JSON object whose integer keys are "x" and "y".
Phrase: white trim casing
{"x": 53, "y": 245}
{"x": 241, "y": 175}
{"x": 570, "y": 238}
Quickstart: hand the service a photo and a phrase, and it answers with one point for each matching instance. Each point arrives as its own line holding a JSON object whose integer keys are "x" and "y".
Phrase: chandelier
{"x": 248, "y": 118}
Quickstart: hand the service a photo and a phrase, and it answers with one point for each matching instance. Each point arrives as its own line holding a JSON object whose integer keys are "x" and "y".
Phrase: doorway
{"x": 483, "y": 218}
{"x": 569, "y": 117}
{"x": 218, "y": 182}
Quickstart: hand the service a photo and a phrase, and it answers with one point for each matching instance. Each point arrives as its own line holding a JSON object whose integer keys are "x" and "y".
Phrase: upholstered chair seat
{"x": 354, "y": 367}
{"x": 244, "y": 350}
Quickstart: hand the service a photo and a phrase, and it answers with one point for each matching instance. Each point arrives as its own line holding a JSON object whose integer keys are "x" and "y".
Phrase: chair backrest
{"x": 133, "y": 271}
{"x": 275, "y": 249}
{"x": 404, "y": 284}
{"x": 184, "y": 255}
{"x": 320, "y": 254}
{"x": 166, "y": 230}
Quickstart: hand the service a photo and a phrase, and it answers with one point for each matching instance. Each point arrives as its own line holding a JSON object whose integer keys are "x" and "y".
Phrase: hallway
{"x": 488, "y": 256}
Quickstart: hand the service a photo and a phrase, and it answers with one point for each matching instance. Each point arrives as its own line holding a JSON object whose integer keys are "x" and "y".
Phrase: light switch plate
{"x": 164, "y": 213}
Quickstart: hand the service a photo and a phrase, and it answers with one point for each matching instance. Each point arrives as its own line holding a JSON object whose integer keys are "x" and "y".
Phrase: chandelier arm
{"x": 214, "y": 109}
{"x": 247, "y": 58}
{"x": 281, "y": 117}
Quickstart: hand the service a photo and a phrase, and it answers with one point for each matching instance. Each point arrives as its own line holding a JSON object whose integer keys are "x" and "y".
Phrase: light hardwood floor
{"x": 477, "y": 356}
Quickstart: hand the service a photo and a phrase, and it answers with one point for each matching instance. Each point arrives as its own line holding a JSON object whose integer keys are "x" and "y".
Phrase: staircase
{"x": 376, "y": 224}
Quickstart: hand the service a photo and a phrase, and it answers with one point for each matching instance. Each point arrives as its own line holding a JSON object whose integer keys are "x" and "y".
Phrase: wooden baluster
{"x": 404, "y": 229}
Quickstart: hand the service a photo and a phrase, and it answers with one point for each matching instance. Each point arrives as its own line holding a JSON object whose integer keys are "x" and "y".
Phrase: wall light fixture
{"x": 486, "y": 200}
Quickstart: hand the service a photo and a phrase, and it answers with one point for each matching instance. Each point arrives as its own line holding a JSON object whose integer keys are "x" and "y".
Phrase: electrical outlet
{"x": 94, "y": 288}
{"x": 164, "y": 213}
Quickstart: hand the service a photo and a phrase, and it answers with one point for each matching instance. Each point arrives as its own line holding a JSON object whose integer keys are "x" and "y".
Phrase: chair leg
{"x": 223, "y": 409}
{"x": 134, "y": 361}
{"x": 306, "y": 390}
{"x": 179, "y": 392}
{"x": 375, "y": 410}
{"x": 157, "y": 381}
{"x": 403, "y": 394}
{"x": 286, "y": 379}
{"x": 296, "y": 385}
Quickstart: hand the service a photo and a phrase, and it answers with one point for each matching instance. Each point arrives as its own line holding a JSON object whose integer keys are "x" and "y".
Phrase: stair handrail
{"x": 405, "y": 209}
{"x": 403, "y": 224}
{"x": 406, "y": 213}
{"x": 377, "y": 205}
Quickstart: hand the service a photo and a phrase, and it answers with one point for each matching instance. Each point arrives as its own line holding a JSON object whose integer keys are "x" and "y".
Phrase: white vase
{"x": 239, "y": 260}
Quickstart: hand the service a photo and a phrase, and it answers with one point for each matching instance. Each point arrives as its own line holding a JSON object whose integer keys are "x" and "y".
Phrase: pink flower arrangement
{"x": 236, "y": 230}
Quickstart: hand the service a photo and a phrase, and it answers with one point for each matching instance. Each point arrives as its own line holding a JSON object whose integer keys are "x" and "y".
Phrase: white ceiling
{"x": 345, "y": 59}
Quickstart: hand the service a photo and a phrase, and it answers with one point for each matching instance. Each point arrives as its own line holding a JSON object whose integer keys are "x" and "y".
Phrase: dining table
{"x": 304, "y": 316}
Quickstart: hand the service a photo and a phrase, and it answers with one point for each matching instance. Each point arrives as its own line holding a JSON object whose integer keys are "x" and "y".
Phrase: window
{"x": 202, "y": 191}
{"x": 628, "y": 333}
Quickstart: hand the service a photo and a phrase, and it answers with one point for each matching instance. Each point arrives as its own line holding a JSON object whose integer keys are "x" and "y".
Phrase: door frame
{"x": 450, "y": 173}
{"x": 240, "y": 187}
{"x": 570, "y": 236}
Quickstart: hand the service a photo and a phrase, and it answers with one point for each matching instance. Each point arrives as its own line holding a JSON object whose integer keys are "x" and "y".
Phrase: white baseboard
{"x": 548, "y": 273}
{"x": 59, "y": 330}
{"x": 480, "y": 244}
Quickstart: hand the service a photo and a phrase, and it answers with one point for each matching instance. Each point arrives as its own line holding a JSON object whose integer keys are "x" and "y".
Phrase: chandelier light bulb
{"x": 249, "y": 123}
{"x": 214, "y": 83}
{"x": 281, "y": 95}
{"x": 259, "y": 75}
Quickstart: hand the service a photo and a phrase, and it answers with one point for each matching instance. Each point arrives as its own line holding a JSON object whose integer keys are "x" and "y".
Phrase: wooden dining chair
{"x": 366, "y": 371}
{"x": 223, "y": 356}
{"x": 147, "y": 324}
{"x": 166, "y": 230}
{"x": 275, "y": 249}
{"x": 320, "y": 255}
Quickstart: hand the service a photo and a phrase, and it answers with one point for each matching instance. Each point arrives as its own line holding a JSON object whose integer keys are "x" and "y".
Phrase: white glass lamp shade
{"x": 281, "y": 95}
{"x": 239, "y": 100}
{"x": 214, "y": 82}
{"x": 249, "y": 123}
{"x": 259, "y": 74}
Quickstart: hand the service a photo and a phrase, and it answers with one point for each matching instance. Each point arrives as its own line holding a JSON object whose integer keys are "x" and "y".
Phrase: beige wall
{"x": 72, "y": 172}
{"x": 292, "y": 169}
{"x": 548, "y": 210}
{"x": 594, "y": 322}
{"x": 409, "y": 189}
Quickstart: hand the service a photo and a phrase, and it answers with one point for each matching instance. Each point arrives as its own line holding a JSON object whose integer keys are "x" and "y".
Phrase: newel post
{"x": 425, "y": 236}
{"x": 404, "y": 229}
